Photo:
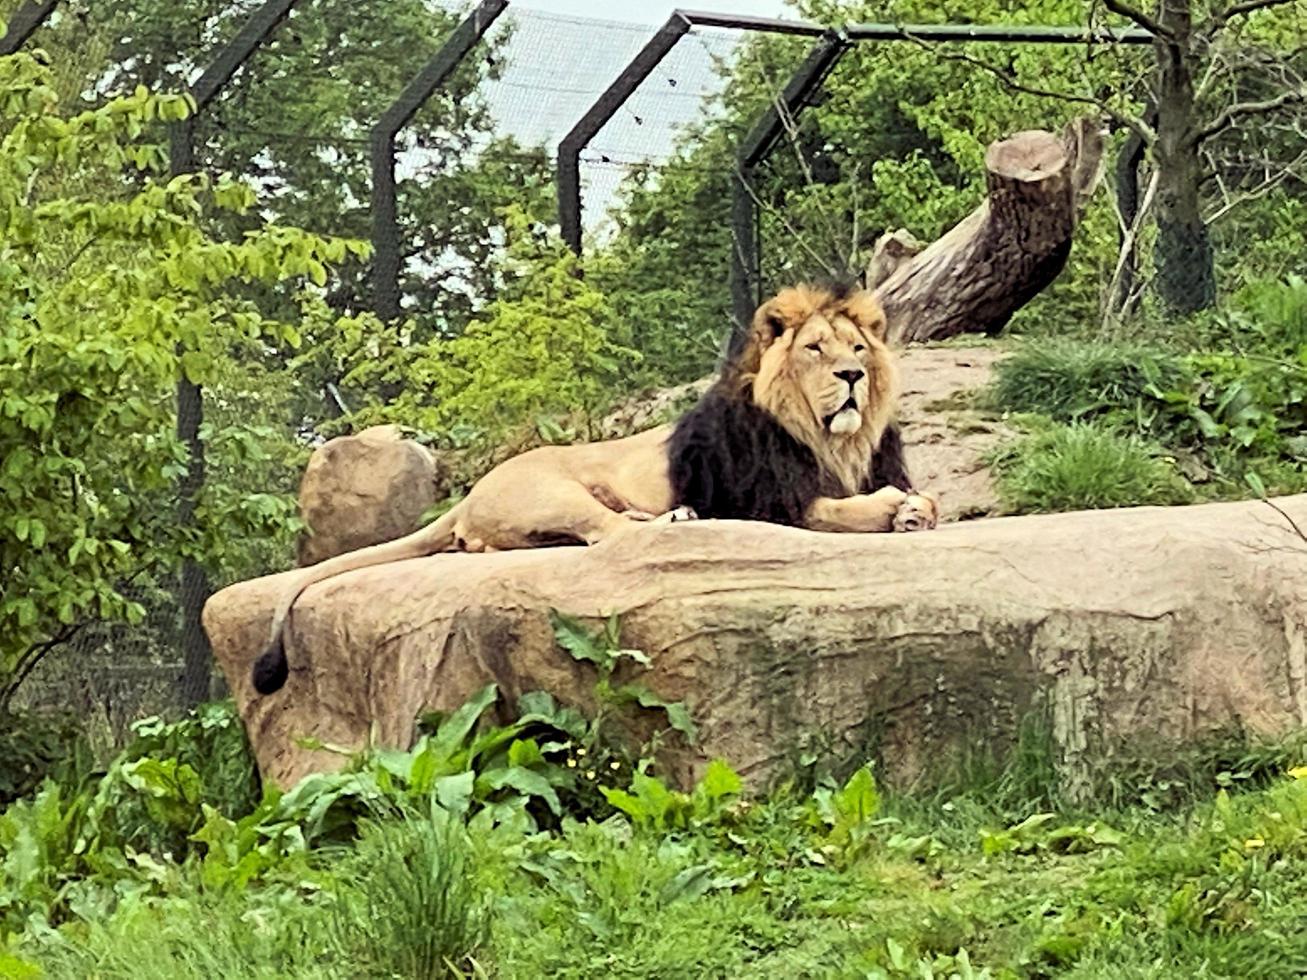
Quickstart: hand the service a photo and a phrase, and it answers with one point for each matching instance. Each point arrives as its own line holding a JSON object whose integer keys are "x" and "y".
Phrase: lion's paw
{"x": 918, "y": 512}
{"x": 676, "y": 515}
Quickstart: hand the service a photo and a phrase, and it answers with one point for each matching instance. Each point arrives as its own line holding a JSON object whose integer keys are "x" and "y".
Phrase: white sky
{"x": 654, "y": 11}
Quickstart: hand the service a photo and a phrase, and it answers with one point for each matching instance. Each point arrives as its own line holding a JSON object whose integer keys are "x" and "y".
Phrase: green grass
{"x": 1184, "y": 862}
{"x": 1082, "y": 467}
{"x": 1070, "y": 380}
{"x": 1216, "y": 889}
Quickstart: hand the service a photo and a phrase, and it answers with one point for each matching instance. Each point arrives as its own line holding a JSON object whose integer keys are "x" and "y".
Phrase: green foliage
{"x": 409, "y": 904}
{"x": 650, "y": 804}
{"x": 389, "y": 868}
{"x": 1071, "y": 380}
{"x": 1080, "y": 467}
{"x": 34, "y": 746}
{"x": 547, "y": 348}
{"x": 106, "y": 301}
{"x": 1233, "y": 412}
{"x": 604, "y": 650}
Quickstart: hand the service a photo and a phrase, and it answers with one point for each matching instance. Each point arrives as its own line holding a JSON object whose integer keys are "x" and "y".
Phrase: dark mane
{"x": 729, "y": 459}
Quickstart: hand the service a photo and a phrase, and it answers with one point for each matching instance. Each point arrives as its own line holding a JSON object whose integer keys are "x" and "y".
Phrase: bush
{"x": 1070, "y": 380}
{"x": 1080, "y": 467}
{"x": 34, "y": 746}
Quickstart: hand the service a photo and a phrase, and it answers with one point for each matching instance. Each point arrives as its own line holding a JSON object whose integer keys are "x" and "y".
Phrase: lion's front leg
{"x": 888, "y": 509}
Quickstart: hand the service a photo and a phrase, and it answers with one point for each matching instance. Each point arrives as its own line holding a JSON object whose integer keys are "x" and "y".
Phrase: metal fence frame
{"x": 23, "y": 24}
{"x": 194, "y": 585}
{"x": 636, "y": 71}
{"x": 746, "y": 270}
{"x": 763, "y": 135}
{"x": 386, "y": 258}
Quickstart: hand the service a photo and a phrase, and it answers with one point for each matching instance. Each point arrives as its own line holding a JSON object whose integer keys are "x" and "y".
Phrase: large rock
{"x": 1144, "y": 627}
{"x": 364, "y": 489}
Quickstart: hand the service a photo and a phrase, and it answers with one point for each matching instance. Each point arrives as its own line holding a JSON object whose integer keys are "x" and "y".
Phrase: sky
{"x": 653, "y": 11}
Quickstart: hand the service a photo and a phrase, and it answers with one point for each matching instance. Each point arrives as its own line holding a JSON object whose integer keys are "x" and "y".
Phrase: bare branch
{"x": 1239, "y": 110}
{"x": 1140, "y": 18}
{"x": 1219, "y": 22}
{"x": 1005, "y": 75}
{"x": 1270, "y": 183}
{"x": 1292, "y": 523}
{"x": 1117, "y": 305}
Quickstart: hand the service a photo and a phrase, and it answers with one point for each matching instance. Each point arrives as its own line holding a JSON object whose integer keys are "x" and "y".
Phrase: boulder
{"x": 364, "y": 489}
{"x": 1127, "y": 628}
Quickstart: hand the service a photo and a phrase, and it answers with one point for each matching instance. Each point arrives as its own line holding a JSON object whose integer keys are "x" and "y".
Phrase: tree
{"x": 1217, "y": 71}
{"x": 102, "y": 282}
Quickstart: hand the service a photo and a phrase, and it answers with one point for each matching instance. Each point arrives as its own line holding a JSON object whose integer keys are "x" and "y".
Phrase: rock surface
{"x": 1141, "y": 627}
{"x": 364, "y": 489}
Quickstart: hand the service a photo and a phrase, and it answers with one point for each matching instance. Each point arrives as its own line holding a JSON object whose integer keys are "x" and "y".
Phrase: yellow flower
{"x": 1298, "y": 772}
{"x": 1254, "y": 842}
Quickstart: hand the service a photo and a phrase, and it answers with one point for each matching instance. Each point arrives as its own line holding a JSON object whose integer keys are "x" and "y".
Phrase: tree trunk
{"x": 1006, "y": 251}
{"x": 1186, "y": 279}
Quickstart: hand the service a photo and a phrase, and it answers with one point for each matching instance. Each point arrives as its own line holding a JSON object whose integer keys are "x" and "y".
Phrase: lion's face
{"x": 817, "y": 361}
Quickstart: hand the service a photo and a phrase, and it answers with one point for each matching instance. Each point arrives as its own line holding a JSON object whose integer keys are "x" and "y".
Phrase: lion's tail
{"x": 271, "y": 669}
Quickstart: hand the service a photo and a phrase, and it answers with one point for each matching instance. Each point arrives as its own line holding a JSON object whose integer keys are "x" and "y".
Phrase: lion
{"x": 798, "y": 430}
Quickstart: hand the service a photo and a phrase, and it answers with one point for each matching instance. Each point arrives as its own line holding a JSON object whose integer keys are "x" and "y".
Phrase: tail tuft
{"x": 271, "y": 669}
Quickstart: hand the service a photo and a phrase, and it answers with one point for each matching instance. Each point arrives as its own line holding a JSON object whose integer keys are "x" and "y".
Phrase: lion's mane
{"x": 751, "y": 448}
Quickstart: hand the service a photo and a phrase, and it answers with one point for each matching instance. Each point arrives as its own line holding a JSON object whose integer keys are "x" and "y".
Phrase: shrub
{"x": 34, "y": 746}
{"x": 409, "y": 906}
{"x": 1078, "y": 466}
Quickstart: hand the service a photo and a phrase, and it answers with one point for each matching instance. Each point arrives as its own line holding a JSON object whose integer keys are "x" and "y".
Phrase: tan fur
{"x": 585, "y": 493}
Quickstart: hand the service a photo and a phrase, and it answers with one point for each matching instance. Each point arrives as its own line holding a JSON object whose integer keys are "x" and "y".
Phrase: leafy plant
{"x": 1079, "y": 466}
{"x": 651, "y": 805}
{"x": 111, "y": 290}
{"x": 604, "y": 650}
{"x": 1072, "y": 381}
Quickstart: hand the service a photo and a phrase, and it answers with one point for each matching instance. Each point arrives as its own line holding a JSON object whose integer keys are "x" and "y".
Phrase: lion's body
{"x": 797, "y": 431}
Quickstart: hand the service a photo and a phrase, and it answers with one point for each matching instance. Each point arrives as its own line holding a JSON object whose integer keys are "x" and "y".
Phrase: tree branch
{"x": 1140, "y": 18}
{"x": 1135, "y": 124}
{"x": 1221, "y": 20}
{"x": 1227, "y": 116}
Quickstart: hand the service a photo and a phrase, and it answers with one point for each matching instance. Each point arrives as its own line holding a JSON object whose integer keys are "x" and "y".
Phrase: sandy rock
{"x": 364, "y": 489}
{"x": 1140, "y": 627}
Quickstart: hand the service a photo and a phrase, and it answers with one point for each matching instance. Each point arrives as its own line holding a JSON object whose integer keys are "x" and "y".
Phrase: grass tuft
{"x": 1082, "y": 467}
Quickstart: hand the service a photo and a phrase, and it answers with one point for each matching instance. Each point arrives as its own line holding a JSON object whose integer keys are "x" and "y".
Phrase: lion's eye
{"x": 816, "y": 348}
{"x": 859, "y": 348}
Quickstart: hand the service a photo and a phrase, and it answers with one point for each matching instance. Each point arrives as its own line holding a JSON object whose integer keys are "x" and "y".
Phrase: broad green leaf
{"x": 453, "y": 731}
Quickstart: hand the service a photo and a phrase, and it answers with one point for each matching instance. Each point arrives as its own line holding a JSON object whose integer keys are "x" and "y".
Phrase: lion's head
{"x": 816, "y": 360}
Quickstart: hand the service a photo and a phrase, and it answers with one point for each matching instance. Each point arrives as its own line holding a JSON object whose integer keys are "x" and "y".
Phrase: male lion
{"x": 798, "y": 430}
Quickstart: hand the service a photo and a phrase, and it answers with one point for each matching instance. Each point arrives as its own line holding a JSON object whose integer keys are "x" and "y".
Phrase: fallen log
{"x": 1146, "y": 628}
{"x": 998, "y": 258}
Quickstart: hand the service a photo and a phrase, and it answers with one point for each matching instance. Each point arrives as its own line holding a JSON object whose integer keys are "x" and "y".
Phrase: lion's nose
{"x": 852, "y": 376}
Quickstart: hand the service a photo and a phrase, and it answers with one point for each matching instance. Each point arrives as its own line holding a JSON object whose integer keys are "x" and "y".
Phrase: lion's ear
{"x": 769, "y": 325}
{"x": 864, "y": 309}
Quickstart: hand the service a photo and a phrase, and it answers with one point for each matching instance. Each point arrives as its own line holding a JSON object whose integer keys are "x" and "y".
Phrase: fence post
{"x": 23, "y": 24}
{"x": 569, "y": 150}
{"x": 386, "y": 259}
{"x": 193, "y": 686}
{"x": 746, "y": 271}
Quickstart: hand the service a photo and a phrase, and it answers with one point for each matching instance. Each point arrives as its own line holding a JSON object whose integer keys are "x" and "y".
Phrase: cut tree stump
{"x": 1130, "y": 632}
{"x": 1005, "y": 252}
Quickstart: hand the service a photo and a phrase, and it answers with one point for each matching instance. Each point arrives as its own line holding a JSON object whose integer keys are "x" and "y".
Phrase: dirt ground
{"x": 946, "y": 437}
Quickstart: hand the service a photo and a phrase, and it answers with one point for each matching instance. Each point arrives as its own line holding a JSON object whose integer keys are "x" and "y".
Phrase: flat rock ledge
{"x": 1126, "y": 628}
